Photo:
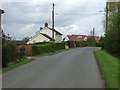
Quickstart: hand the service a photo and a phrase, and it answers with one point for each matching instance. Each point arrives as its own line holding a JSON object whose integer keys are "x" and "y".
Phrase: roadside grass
{"x": 108, "y": 66}
{"x": 14, "y": 65}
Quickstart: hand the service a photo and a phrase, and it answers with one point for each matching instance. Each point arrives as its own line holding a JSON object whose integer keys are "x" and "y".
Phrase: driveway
{"x": 74, "y": 68}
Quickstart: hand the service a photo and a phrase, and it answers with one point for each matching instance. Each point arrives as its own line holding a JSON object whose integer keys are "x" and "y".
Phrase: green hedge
{"x": 41, "y": 43}
{"x": 59, "y": 46}
{"x": 7, "y": 52}
{"x": 47, "y": 48}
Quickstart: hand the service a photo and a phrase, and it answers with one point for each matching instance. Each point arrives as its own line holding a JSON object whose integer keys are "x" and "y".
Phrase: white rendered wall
{"x": 38, "y": 38}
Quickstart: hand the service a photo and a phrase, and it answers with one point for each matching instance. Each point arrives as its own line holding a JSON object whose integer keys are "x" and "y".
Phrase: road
{"x": 74, "y": 68}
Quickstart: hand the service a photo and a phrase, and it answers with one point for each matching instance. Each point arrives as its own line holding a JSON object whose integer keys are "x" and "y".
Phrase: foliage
{"x": 15, "y": 64}
{"x": 47, "y": 48}
{"x": 21, "y": 42}
{"x": 91, "y": 41}
{"x": 58, "y": 46}
{"x": 39, "y": 43}
{"x": 9, "y": 50}
{"x": 109, "y": 68}
{"x": 26, "y": 39}
{"x": 112, "y": 37}
{"x": 6, "y": 53}
{"x": 92, "y": 32}
{"x": 41, "y": 49}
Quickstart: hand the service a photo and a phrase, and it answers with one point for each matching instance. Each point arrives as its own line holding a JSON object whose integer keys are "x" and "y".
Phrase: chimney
{"x": 41, "y": 28}
{"x": 46, "y": 24}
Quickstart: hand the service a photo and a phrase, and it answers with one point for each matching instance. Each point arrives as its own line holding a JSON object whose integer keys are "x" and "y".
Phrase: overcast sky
{"x": 23, "y": 19}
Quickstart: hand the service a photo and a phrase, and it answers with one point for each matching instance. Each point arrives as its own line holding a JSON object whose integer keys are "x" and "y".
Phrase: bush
{"x": 7, "y": 52}
{"x": 99, "y": 44}
{"x": 58, "y": 46}
{"x": 47, "y": 48}
{"x": 5, "y": 56}
{"x": 41, "y": 49}
{"x": 40, "y": 43}
{"x": 112, "y": 38}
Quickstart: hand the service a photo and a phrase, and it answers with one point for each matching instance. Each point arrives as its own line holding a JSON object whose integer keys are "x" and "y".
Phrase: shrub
{"x": 41, "y": 49}
{"x": 47, "y": 48}
{"x": 40, "y": 43}
{"x": 112, "y": 38}
{"x": 99, "y": 44}
{"x": 7, "y": 52}
{"x": 58, "y": 46}
{"x": 5, "y": 56}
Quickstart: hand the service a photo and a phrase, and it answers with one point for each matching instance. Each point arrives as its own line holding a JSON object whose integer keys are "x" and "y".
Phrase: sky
{"x": 24, "y": 18}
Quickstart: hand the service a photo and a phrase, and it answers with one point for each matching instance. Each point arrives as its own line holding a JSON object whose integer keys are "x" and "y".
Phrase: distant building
{"x": 80, "y": 38}
{"x": 45, "y": 35}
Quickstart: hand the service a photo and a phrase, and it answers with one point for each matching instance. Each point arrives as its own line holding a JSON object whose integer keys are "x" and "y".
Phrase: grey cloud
{"x": 19, "y": 15}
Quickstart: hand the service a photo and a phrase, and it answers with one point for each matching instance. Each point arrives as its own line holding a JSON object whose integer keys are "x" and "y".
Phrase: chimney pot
{"x": 41, "y": 28}
{"x": 46, "y": 24}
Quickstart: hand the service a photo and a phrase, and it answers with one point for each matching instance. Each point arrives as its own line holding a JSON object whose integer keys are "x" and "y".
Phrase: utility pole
{"x": 93, "y": 32}
{"x": 53, "y": 23}
{"x": 106, "y": 17}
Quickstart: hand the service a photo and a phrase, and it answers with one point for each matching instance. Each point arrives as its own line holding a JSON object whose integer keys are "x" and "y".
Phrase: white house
{"x": 45, "y": 35}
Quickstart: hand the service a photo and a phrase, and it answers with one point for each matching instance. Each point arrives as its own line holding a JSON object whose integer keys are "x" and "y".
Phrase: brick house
{"x": 81, "y": 38}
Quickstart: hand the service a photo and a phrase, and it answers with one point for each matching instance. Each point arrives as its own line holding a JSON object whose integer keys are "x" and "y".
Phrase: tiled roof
{"x": 80, "y": 37}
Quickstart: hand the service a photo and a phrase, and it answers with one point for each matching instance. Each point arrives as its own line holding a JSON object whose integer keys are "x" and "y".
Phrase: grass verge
{"x": 108, "y": 67}
{"x": 15, "y": 65}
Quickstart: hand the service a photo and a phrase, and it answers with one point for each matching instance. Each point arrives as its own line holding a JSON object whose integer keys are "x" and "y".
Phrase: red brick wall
{"x": 28, "y": 49}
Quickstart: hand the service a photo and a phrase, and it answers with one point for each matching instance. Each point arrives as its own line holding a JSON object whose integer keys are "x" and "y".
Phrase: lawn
{"x": 108, "y": 67}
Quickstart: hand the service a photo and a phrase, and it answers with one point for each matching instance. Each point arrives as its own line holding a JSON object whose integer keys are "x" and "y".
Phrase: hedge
{"x": 59, "y": 46}
{"x": 47, "y": 48}
{"x": 7, "y": 52}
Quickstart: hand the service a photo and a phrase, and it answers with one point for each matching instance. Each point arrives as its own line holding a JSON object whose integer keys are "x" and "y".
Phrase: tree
{"x": 92, "y": 32}
{"x": 112, "y": 37}
{"x": 91, "y": 41}
{"x": 26, "y": 39}
{"x": 8, "y": 49}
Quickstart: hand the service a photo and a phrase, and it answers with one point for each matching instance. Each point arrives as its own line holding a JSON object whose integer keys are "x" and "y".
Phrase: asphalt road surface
{"x": 74, "y": 68}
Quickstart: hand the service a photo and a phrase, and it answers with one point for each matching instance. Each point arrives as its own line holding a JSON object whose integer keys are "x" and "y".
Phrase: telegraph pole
{"x": 93, "y": 32}
{"x": 53, "y": 23}
{"x": 106, "y": 17}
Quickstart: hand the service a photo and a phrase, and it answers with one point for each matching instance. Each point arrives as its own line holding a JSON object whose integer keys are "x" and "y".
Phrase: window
{"x": 80, "y": 36}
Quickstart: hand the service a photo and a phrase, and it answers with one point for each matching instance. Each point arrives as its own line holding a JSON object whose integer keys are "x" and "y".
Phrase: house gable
{"x": 45, "y": 34}
{"x": 38, "y": 38}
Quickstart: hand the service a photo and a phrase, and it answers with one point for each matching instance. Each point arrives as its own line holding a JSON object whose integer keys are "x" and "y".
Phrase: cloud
{"x": 25, "y": 18}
